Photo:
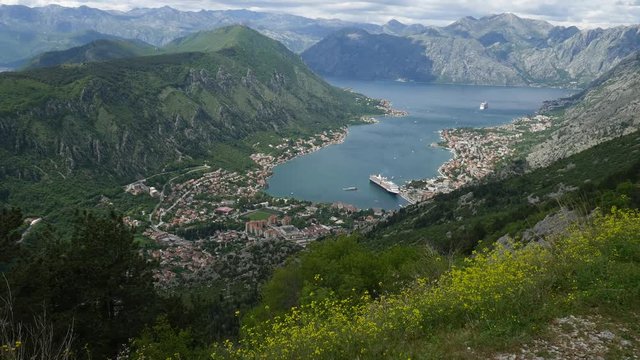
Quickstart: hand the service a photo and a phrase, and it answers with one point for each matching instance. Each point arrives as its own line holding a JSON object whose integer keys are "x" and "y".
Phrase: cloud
{"x": 584, "y": 13}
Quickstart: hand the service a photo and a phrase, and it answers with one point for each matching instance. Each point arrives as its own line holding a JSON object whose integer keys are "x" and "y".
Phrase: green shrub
{"x": 496, "y": 297}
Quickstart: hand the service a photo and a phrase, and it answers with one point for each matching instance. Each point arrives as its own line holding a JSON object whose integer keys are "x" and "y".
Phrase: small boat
{"x": 484, "y": 105}
{"x": 350, "y": 188}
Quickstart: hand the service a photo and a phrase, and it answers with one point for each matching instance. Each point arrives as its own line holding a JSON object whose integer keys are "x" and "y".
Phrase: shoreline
{"x": 476, "y": 153}
{"x": 230, "y": 184}
{"x": 385, "y": 106}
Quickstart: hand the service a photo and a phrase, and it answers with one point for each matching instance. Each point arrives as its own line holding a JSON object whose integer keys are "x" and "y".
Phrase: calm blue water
{"x": 399, "y": 147}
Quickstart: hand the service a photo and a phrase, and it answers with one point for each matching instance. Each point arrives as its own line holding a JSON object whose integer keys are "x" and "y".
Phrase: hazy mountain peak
{"x": 506, "y": 16}
{"x": 236, "y": 36}
{"x": 95, "y": 51}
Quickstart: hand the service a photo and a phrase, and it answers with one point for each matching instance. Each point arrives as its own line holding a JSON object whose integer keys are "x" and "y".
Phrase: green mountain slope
{"x": 96, "y": 51}
{"x": 233, "y": 37}
{"x": 608, "y": 108}
{"x": 228, "y": 37}
{"x": 493, "y": 302}
{"x": 118, "y": 120}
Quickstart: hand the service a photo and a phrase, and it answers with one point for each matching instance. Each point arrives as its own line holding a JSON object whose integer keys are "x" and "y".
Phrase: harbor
{"x": 399, "y": 148}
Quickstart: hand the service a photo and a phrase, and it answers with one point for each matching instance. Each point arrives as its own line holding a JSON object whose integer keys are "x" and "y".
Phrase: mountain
{"x": 606, "y": 109}
{"x": 26, "y": 32}
{"x": 502, "y": 28}
{"x": 501, "y": 49}
{"x": 354, "y": 53}
{"x": 106, "y": 123}
{"x": 17, "y": 47}
{"x": 580, "y": 58}
{"x": 99, "y": 50}
{"x": 395, "y": 27}
{"x": 494, "y": 50}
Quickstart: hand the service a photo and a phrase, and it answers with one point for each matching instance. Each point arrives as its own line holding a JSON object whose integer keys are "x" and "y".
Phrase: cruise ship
{"x": 384, "y": 183}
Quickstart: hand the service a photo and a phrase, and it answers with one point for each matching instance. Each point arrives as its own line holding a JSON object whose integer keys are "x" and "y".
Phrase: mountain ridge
{"x": 122, "y": 119}
{"x": 500, "y": 49}
{"x": 369, "y": 57}
{"x": 157, "y": 26}
{"x": 95, "y": 51}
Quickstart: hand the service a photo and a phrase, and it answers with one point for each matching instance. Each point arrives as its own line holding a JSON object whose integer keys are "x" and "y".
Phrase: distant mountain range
{"x": 26, "y": 32}
{"x": 494, "y": 50}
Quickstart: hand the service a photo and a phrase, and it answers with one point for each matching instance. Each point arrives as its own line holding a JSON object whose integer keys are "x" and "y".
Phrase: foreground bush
{"x": 496, "y": 297}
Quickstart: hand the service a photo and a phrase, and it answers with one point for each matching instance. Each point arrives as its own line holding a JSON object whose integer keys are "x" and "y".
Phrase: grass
{"x": 262, "y": 214}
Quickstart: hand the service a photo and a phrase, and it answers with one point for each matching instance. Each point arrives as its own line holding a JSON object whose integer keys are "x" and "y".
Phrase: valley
{"x": 184, "y": 184}
{"x": 400, "y": 147}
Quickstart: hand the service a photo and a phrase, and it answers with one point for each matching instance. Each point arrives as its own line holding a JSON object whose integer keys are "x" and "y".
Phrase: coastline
{"x": 476, "y": 153}
{"x": 328, "y": 138}
{"x": 187, "y": 202}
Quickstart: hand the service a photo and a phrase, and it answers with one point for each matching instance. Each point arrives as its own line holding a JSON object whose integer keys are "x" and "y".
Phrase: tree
{"x": 344, "y": 268}
{"x": 98, "y": 281}
{"x": 161, "y": 341}
{"x": 10, "y": 221}
{"x": 110, "y": 286}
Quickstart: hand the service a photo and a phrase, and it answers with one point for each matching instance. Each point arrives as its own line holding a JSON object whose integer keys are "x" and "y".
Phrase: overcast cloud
{"x": 583, "y": 13}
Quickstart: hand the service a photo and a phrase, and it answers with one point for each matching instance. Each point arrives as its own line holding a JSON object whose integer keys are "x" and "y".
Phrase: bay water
{"x": 399, "y": 148}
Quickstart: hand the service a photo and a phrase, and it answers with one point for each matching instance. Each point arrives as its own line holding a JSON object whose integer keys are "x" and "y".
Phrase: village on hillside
{"x": 477, "y": 152}
{"x": 201, "y": 218}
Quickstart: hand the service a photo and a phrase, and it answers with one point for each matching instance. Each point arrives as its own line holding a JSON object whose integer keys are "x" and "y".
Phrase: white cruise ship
{"x": 384, "y": 183}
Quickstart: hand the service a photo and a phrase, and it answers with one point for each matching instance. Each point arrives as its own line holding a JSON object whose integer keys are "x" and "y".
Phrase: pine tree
{"x": 97, "y": 281}
{"x": 10, "y": 221}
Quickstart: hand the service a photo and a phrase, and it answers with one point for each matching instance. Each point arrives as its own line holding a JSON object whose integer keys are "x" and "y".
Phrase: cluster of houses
{"x": 273, "y": 228}
{"x": 476, "y": 153}
{"x": 139, "y": 188}
{"x": 281, "y": 228}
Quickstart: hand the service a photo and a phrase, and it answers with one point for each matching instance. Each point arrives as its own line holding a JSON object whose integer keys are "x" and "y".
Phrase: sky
{"x": 582, "y": 13}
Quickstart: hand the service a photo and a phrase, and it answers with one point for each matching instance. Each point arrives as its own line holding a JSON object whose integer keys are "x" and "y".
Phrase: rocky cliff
{"x": 494, "y": 50}
{"x": 607, "y": 109}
